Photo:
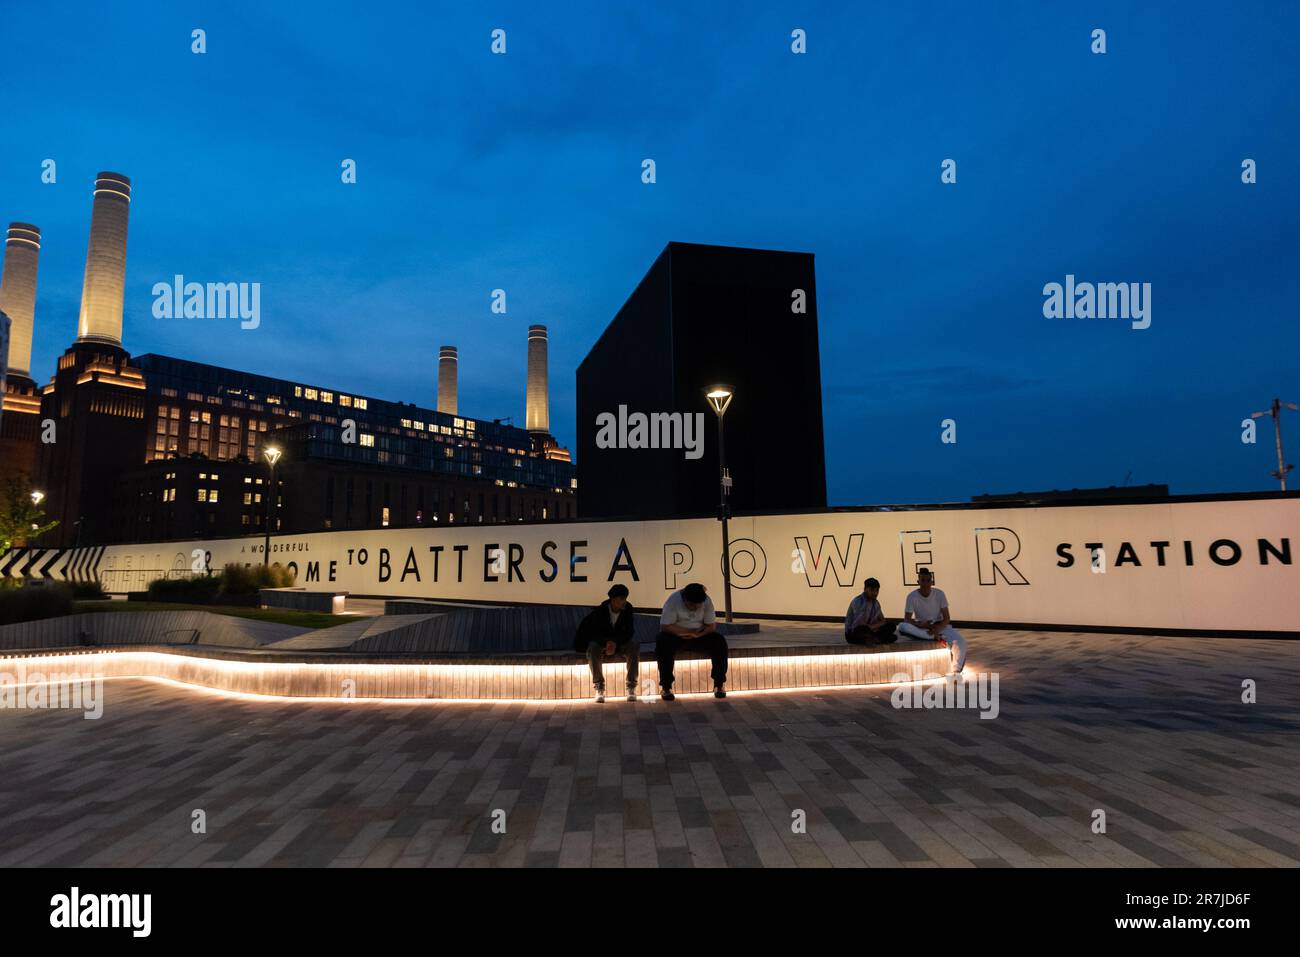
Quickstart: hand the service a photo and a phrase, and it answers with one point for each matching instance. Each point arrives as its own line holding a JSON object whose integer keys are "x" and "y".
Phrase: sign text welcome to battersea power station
{"x": 1220, "y": 565}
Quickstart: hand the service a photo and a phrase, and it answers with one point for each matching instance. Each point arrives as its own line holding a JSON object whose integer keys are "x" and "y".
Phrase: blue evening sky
{"x": 522, "y": 171}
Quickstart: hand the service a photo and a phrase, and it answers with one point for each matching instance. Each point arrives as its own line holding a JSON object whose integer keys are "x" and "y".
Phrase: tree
{"x": 20, "y": 513}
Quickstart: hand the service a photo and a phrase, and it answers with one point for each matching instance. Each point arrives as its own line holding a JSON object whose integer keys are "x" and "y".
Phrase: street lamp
{"x": 272, "y": 454}
{"x": 720, "y": 397}
{"x": 37, "y": 497}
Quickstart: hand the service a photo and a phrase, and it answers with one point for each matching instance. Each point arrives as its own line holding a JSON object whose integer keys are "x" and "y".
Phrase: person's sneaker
{"x": 631, "y": 694}
{"x": 600, "y": 696}
{"x": 667, "y": 694}
{"x": 719, "y": 691}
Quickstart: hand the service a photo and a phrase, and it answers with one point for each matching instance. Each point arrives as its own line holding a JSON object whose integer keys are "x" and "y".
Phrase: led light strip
{"x": 449, "y": 682}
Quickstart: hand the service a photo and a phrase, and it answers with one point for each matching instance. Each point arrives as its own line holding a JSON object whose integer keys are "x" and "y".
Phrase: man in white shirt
{"x": 926, "y": 618}
{"x": 688, "y": 621}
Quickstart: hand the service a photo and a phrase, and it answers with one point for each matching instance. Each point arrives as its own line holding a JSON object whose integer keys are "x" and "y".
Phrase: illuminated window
{"x": 345, "y": 400}
{"x": 248, "y": 497}
{"x": 297, "y": 391}
{"x": 367, "y": 439}
{"x": 203, "y": 495}
{"x": 359, "y": 403}
{"x": 385, "y": 517}
{"x": 310, "y": 394}
{"x": 212, "y": 496}
{"x": 327, "y": 396}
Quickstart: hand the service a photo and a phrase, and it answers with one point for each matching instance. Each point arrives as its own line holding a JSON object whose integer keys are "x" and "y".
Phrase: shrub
{"x": 243, "y": 581}
{"x": 88, "y": 591}
{"x": 30, "y": 604}
{"x": 198, "y": 590}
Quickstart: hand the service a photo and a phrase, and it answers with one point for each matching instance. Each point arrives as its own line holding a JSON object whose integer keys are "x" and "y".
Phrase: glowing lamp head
{"x": 37, "y": 497}
{"x": 719, "y": 397}
{"x": 272, "y": 454}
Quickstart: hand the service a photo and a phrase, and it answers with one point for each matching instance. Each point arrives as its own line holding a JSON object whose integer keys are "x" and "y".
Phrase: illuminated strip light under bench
{"x": 478, "y": 679}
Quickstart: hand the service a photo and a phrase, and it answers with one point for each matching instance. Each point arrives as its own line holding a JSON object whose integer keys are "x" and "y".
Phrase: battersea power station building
{"x": 149, "y": 448}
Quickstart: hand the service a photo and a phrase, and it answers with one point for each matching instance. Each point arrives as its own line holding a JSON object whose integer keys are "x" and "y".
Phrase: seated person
{"x": 688, "y": 621}
{"x": 865, "y": 624}
{"x": 926, "y": 618}
{"x": 607, "y": 633}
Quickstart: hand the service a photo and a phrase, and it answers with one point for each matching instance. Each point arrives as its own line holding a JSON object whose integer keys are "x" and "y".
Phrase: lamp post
{"x": 272, "y": 454}
{"x": 37, "y": 498}
{"x": 719, "y": 397}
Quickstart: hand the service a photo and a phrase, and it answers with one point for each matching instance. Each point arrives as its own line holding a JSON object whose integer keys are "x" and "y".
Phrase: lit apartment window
{"x": 203, "y": 495}
{"x": 248, "y": 498}
{"x": 297, "y": 392}
{"x": 406, "y": 423}
{"x": 212, "y": 496}
{"x": 310, "y": 394}
{"x": 359, "y": 403}
{"x": 345, "y": 400}
{"x": 385, "y": 517}
{"x": 367, "y": 440}
{"x": 327, "y": 396}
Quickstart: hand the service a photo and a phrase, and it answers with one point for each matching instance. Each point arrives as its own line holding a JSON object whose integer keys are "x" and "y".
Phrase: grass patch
{"x": 282, "y": 616}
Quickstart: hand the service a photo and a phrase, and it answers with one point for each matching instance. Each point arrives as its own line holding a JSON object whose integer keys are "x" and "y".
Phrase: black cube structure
{"x": 705, "y": 315}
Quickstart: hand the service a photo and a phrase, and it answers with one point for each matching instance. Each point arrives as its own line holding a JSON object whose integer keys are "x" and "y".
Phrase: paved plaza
{"x": 1150, "y": 730}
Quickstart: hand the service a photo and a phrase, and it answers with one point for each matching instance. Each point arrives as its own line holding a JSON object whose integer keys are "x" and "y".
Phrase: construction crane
{"x": 1276, "y": 412}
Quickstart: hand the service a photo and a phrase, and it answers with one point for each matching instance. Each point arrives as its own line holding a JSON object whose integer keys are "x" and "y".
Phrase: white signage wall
{"x": 1215, "y": 565}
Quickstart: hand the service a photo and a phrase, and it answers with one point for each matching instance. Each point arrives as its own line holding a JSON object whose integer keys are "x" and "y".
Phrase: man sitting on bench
{"x": 607, "y": 633}
{"x": 865, "y": 624}
{"x": 688, "y": 621}
{"x": 926, "y": 618}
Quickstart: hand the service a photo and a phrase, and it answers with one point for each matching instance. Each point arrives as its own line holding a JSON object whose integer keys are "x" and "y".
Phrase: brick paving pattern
{"x": 1152, "y": 730}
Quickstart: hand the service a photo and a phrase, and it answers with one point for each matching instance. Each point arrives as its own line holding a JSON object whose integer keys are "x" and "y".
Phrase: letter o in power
{"x": 748, "y": 563}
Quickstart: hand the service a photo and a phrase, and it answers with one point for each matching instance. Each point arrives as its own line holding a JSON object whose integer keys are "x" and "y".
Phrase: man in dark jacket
{"x": 607, "y": 633}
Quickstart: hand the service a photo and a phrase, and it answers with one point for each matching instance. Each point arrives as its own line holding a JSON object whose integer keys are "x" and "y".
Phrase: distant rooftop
{"x": 1144, "y": 493}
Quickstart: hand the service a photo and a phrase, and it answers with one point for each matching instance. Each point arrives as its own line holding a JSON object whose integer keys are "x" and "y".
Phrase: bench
{"x": 299, "y": 599}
